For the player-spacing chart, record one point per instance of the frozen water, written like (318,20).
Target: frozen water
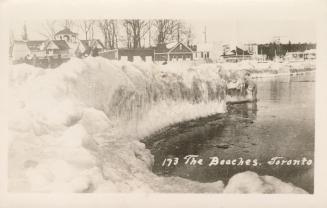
(77,128)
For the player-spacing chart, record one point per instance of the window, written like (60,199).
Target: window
(180,47)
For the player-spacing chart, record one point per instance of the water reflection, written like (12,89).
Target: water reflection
(280,124)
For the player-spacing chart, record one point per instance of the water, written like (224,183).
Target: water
(281,124)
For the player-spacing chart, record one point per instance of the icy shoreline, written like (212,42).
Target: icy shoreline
(77,128)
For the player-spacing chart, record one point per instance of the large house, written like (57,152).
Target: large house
(173,52)
(67,35)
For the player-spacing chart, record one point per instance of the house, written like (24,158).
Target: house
(57,49)
(36,48)
(236,54)
(202,52)
(67,35)
(173,52)
(136,54)
(210,51)
(300,55)
(89,47)
(19,51)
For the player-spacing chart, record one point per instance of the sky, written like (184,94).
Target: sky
(223,31)
(237,22)
(255,30)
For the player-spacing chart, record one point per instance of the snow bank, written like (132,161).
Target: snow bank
(250,182)
(77,128)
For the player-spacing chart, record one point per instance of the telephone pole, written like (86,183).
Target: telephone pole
(205,34)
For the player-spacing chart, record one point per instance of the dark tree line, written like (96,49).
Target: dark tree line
(274,49)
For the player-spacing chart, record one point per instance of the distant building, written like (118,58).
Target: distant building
(247,51)
(89,47)
(236,55)
(19,51)
(208,51)
(56,49)
(202,52)
(67,35)
(136,54)
(173,52)
(22,50)
(36,48)
(301,55)
(252,48)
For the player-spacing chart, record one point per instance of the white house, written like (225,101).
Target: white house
(19,51)
(212,51)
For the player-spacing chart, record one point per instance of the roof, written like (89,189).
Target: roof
(170,47)
(90,43)
(62,45)
(34,45)
(239,51)
(65,31)
(85,43)
(310,51)
(183,45)
(99,42)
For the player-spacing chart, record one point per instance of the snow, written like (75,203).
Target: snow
(250,182)
(77,128)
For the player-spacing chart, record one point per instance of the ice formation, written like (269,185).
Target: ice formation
(77,128)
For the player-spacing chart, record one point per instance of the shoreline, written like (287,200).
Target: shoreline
(269,75)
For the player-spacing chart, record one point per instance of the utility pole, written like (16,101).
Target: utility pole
(205,34)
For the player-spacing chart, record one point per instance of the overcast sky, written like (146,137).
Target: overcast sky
(224,31)
(226,22)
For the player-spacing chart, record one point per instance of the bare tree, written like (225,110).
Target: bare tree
(188,34)
(128,34)
(87,28)
(165,29)
(183,32)
(109,30)
(135,30)
(49,29)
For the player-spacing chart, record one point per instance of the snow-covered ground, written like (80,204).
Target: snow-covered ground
(77,128)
